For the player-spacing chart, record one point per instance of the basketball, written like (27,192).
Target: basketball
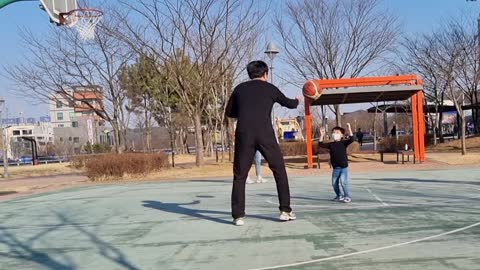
(311,91)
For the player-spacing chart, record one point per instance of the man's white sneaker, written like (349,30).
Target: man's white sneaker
(239,221)
(286,216)
(250,181)
(261,180)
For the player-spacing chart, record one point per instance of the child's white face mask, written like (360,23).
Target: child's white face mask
(336,137)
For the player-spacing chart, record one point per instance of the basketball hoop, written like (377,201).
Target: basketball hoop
(84,20)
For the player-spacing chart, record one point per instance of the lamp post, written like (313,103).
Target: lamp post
(272,52)
(4,141)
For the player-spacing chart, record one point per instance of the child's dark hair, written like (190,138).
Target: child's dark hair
(257,69)
(342,130)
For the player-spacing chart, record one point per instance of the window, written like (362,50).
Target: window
(61,139)
(40,138)
(59,116)
(69,139)
(60,125)
(27,132)
(50,139)
(76,139)
(59,104)
(41,143)
(16,132)
(72,115)
(74,124)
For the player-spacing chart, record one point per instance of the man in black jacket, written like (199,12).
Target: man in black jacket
(251,104)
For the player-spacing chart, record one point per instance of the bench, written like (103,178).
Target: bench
(399,152)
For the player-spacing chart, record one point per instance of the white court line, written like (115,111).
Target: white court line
(371,250)
(376,197)
(346,206)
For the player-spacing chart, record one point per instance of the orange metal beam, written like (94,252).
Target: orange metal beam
(367,81)
(308,131)
(418,120)
(415,124)
(421,126)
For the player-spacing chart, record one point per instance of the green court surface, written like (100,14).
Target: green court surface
(397,220)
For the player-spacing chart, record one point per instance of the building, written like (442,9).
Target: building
(67,107)
(74,118)
(17,146)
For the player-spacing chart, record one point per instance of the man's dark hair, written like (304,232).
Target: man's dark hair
(342,130)
(256,69)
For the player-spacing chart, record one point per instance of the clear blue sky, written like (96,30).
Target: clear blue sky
(416,16)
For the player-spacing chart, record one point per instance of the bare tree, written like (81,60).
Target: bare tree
(448,54)
(63,61)
(336,39)
(198,41)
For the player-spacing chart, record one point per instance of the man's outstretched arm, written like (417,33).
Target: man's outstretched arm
(281,99)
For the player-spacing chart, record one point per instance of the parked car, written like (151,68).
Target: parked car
(25,160)
(168,151)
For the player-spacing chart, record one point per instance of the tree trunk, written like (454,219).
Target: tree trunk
(199,161)
(375,129)
(435,125)
(148,131)
(440,119)
(462,123)
(338,115)
(116,138)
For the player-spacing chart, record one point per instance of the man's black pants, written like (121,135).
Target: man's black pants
(246,143)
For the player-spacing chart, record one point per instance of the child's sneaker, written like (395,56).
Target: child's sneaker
(239,221)
(286,216)
(338,199)
(347,200)
(261,180)
(250,181)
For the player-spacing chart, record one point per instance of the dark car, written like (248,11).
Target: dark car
(25,160)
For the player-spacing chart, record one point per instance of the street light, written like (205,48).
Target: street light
(4,141)
(271,52)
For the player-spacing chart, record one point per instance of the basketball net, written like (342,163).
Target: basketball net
(84,21)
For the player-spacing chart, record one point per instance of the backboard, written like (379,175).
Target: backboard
(56,7)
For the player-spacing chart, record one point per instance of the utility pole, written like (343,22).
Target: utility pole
(4,141)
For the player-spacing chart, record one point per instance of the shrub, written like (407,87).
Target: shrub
(104,167)
(79,162)
(293,148)
(391,144)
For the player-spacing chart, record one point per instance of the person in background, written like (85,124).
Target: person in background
(359,136)
(258,170)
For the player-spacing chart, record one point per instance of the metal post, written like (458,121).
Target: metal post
(272,52)
(4,140)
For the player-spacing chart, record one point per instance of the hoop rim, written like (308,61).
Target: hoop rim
(64,15)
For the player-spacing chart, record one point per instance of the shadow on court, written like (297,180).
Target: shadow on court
(26,249)
(179,208)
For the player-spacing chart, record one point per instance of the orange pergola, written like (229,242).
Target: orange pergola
(370,89)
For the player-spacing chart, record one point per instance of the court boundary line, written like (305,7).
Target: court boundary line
(371,250)
(376,197)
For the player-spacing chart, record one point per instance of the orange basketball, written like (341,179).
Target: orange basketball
(311,91)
